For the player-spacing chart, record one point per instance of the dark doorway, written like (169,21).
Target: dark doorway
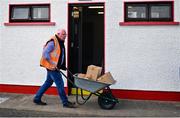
(85,37)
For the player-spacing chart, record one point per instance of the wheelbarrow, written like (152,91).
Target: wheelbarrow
(106,100)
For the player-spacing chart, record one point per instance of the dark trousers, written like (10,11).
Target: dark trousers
(53,76)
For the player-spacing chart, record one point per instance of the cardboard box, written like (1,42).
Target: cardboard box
(107,78)
(93,72)
(81,75)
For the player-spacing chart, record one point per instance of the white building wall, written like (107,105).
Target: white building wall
(139,57)
(177,10)
(142,57)
(21,46)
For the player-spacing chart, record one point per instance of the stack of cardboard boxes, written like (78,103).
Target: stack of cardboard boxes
(94,73)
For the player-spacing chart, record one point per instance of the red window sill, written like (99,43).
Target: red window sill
(31,24)
(147,23)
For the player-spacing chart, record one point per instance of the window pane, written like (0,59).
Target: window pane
(160,12)
(41,13)
(20,13)
(136,12)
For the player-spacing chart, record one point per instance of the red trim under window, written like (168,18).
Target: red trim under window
(31,24)
(147,23)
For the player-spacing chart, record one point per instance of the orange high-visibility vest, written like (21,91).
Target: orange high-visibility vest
(54,56)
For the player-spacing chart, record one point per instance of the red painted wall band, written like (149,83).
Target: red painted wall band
(147,95)
(27,89)
(118,93)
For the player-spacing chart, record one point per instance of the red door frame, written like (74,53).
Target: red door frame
(80,3)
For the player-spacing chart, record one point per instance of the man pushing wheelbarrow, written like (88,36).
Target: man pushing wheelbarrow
(94,82)
(53,59)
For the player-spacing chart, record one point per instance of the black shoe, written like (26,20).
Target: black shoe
(39,102)
(69,105)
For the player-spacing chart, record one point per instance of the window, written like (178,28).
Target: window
(151,11)
(40,13)
(160,12)
(30,13)
(136,12)
(20,13)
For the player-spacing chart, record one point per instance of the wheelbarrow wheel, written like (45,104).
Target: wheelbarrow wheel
(106,101)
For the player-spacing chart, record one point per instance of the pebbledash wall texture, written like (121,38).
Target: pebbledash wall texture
(142,58)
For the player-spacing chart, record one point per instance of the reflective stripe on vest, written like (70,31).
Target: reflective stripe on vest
(54,56)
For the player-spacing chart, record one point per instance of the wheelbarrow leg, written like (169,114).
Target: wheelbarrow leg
(84,100)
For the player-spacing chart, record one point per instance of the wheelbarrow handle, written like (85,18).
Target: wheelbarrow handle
(69,71)
(68,77)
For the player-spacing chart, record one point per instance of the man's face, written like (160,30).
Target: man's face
(62,35)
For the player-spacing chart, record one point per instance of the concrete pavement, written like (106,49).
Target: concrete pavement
(22,105)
